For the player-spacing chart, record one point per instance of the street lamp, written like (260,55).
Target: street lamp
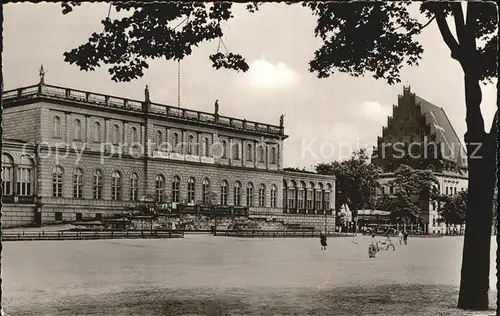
(213,203)
(149,202)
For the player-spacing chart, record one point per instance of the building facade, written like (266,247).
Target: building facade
(90,155)
(420,135)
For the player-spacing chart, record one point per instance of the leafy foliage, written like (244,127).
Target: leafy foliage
(452,208)
(166,30)
(377,37)
(356,181)
(413,190)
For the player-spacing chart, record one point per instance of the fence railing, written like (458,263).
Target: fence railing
(279,233)
(89,234)
(86,235)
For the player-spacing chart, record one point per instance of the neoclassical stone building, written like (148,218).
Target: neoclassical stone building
(73,155)
(419,134)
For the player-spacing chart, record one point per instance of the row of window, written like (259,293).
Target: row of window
(160,185)
(96,131)
(225,148)
(191,143)
(306,198)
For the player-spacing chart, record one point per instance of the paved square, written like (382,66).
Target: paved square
(206,275)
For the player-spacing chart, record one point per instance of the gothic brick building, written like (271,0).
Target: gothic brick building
(74,155)
(420,135)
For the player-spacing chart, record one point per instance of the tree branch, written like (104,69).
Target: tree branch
(458,17)
(446,34)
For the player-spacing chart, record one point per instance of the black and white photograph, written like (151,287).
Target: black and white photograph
(249,158)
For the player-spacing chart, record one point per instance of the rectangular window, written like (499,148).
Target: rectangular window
(79,217)
(249,196)
(291,198)
(134,191)
(98,216)
(326,200)
(58,216)
(206,194)
(24,181)
(176,192)
(319,199)
(301,199)
(97,189)
(190,192)
(273,198)
(223,195)
(262,197)
(77,186)
(309,199)
(236,196)
(57,185)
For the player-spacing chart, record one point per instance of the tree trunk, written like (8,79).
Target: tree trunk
(474,282)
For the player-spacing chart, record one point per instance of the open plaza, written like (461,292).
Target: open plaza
(207,275)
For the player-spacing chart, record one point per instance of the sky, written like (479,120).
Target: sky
(326,119)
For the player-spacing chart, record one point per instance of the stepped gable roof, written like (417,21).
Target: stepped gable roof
(451,147)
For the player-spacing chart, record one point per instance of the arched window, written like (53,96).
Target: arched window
(78,184)
(191,190)
(291,195)
(7,174)
(116,184)
(116,134)
(262,195)
(97,132)
(223,192)
(176,189)
(249,152)
(191,145)
(224,148)
(97,185)
(274,197)
(261,154)
(57,181)
(57,127)
(133,135)
(273,155)
(175,143)
(310,195)
(237,193)
(134,187)
(250,194)
(78,130)
(160,187)
(206,191)
(205,147)
(159,140)
(25,176)
(301,196)
(236,151)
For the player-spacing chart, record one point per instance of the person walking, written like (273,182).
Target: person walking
(400,237)
(389,243)
(373,247)
(322,240)
(405,237)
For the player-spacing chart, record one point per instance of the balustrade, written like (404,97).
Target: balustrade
(117,102)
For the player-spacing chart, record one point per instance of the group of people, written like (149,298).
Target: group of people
(373,248)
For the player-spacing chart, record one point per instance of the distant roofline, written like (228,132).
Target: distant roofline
(446,116)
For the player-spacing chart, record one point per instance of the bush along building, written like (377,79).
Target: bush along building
(420,135)
(71,155)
